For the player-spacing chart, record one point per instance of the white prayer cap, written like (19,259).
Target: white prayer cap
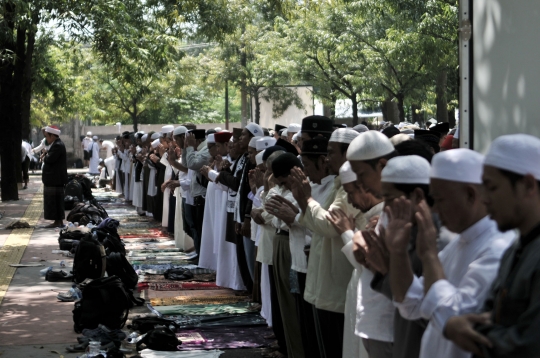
(400,138)
(255,129)
(88,133)
(155,143)
(253,142)
(218,129)
(211,139)
(407,169)
(432,120)
(232,139)
(144,137)
(294,128)
(461,165)
(369,145)
(258,158)
(343,135)
(346,174)
(265,142)
(156,135)
(53,130)
(167,129)
(95,137)
(517,153)
(180,130)
(295,137)
(284,133)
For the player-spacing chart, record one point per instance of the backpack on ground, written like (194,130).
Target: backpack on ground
(90,260)
(160,339)
(146,324)
(67,237)
(118,265)
(110,240)
(73,188)
(104,301)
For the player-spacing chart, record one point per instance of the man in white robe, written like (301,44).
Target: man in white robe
(94,158)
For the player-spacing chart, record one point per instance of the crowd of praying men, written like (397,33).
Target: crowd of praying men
(357,243)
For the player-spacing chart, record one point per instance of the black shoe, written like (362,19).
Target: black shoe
(55,276)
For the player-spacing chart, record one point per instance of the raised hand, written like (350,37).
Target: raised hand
(377,256)
(190,141)
(398,231)
(301,189)
(460,330)
(256,215)
(340,220)
(426,239)
(360,248)
(281,210)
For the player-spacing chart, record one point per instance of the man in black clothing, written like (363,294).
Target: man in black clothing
(54,177)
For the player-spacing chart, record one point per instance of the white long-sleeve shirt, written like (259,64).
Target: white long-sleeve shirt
(470,265)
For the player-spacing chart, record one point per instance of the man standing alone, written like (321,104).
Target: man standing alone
(54,177)
(86,143)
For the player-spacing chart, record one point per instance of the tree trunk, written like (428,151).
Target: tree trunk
(135,116)
(452,117)
(17,88)
(27,86)
(227,105)
(390,111)
(354,109)
(401,107)
(257,100)
(416,117)
(442,105)
(244,105)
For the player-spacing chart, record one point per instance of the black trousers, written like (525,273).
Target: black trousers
(172,212)
(331,328)
(277,322)
(242,263)
(307,320)
(198,216)
(25,165)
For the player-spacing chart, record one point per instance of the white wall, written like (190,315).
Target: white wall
(506,89)
(292,114)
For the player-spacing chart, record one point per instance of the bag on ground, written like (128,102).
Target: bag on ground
(90,260)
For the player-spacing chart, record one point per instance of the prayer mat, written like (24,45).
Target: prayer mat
(224,337)
(197,277)
(175,286)
(202,310)
(160,269)
(145,251)
(187,300)
(221,292)
(228,320)
(148,353)
(158,258)
(159,262)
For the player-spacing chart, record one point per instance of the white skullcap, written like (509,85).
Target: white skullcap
(95,137)
(88,133)
(210,139)
(294,128)
(284,133)
(144,137)
(346,174)
(258,158)
(369,145)
(232,139)
(407,169)
(52,130)
(224,130)
(400,138)
(167,129)
(255,129)
(180,130)
(461,165)
(155,143)
(156,135)
(218,129)
(343,135)
(517,153)
(253,142)
(295,137)
(265,142)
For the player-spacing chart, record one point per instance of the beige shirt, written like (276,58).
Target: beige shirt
(328,271)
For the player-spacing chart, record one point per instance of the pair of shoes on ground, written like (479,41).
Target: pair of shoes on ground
(81,347)
(56,276)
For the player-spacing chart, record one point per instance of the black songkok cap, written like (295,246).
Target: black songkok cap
(282,165)
(279,127)
(270,150)
(390,131)
(237,132)
(317,125)
(126,134)
(288,146)
(443,128)
(339,125)
(198,133)
(315,146)
(422,133)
